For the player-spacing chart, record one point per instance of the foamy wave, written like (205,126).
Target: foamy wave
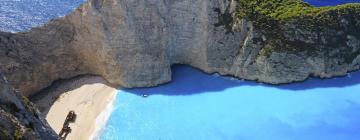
(102,119)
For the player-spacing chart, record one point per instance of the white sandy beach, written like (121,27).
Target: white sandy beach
(91,100)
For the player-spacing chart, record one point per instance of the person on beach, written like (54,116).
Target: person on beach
(70,118)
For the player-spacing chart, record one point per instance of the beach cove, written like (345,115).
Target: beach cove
(89,97)
(194,105)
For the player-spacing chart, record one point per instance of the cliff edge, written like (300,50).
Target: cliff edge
(133,43)
(19,119)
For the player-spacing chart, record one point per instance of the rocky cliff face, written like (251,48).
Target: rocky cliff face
(18,117)
(133,43)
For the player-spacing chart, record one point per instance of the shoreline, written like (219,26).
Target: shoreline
(102,119)
(90,97)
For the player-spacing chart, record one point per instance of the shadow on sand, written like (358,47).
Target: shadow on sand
(45,98)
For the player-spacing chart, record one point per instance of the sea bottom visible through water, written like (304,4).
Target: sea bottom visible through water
(197,106)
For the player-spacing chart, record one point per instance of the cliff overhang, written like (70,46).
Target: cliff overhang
(133,43)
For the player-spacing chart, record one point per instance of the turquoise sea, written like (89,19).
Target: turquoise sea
(198,106)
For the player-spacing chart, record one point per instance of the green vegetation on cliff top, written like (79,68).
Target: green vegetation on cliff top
(266,12)
(270,17)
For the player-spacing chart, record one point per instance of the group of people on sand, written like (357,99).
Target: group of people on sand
(70,118)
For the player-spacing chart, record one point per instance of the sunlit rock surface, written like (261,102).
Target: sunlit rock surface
(133,43)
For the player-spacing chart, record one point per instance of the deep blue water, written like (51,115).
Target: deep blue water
(21,15)
(197,106)
(330,2)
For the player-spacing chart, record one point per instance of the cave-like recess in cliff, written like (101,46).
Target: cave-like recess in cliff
(101,38)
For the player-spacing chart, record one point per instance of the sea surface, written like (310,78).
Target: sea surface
(21,15)
(330,2)
(198,106)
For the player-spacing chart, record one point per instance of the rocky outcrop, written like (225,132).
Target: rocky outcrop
(18,117)
(133,43)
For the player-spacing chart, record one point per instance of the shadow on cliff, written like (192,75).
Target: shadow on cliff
(45,98)
(188,81)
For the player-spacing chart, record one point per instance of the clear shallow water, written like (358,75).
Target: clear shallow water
(202,107)
(196,106)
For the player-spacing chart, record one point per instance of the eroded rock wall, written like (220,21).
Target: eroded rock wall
(32,60)
(19,119)
(133,43)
